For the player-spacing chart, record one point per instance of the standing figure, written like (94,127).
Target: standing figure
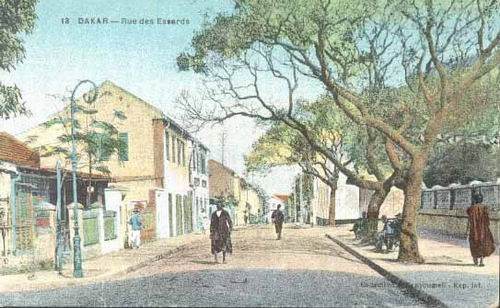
(220,233)
(204,223)
(277,218)
(480,237)
(136,222)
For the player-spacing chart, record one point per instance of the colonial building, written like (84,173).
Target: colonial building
(200,184)
(310,200)
(28,199)
(242,200)
(154,166)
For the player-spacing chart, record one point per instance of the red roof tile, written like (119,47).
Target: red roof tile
(14,151)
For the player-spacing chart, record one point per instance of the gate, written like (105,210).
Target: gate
(149,222)
(162,214)
(25,222)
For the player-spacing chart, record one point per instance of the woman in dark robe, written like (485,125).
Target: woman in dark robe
(220,233)
(480,237)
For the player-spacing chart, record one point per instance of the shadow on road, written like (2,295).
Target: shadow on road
(226,288)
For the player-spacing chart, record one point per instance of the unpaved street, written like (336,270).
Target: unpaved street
(303,269)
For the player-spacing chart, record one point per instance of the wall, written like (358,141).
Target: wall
(347,204)
(320,203)
(114,203)
(393,203)
(221,179)
(255,203)
(176,173)
(135,190)
(453,222)
(443,209)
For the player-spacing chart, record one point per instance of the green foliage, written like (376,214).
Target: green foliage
(329,127)
(462,163)
(96,140)
(17,18)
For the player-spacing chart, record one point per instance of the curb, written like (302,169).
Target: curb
(404,285)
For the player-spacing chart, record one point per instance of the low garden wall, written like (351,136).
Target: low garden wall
(443,209)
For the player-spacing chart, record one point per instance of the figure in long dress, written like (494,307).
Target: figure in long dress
(480,237)
(220,233)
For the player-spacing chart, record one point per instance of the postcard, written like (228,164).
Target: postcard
(244,153)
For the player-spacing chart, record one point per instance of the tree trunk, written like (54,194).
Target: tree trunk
(408,249)
(374,205)
(331,212)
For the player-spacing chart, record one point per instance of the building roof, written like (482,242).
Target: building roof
(229,170)
(15,151)
(282,197)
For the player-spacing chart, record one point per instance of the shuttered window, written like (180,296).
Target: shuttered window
(167,145)
(123,151)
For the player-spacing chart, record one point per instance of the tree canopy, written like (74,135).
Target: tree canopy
(400,68)
(16,18)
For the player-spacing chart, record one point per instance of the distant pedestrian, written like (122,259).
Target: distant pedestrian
(204,222)
(220,233)
(478,227)
(136,222)
(277,218)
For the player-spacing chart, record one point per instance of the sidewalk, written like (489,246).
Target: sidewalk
(448,274)
(101,268)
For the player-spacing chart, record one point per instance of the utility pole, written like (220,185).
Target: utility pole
(223,145)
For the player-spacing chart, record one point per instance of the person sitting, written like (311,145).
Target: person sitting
(360,227)
(390,234)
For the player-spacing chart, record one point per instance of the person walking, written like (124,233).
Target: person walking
(136,222)
(220,233)
(277,218)
(478,228)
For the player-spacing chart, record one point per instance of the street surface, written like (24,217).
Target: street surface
(303,269)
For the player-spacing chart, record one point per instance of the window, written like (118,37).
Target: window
(167,146)
(123,150)
(183,147)
(178,152)
(181,154)
(203,164)
(198,162)
(103,153)
(195,161)
(173,149)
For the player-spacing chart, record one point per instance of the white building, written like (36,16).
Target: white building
(273,202)
(199,183)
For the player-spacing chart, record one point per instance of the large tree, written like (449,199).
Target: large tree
(16,18)
(402,68)
(352,149)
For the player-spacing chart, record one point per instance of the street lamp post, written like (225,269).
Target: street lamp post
(77,253)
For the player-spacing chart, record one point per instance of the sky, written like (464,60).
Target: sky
(138,57)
